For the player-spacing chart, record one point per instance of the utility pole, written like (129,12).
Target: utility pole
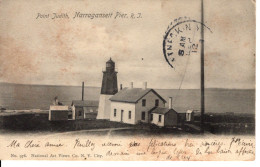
(202,71)
(82,91)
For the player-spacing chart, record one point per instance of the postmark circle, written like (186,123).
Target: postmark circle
(182,39)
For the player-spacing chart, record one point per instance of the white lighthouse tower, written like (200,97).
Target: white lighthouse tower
(108,89)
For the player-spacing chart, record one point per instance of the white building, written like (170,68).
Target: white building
(190,115)
(132,105)
(58,113)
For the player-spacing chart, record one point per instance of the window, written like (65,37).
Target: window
(143,115)
(108,65)
(156,103)
(80,113)
(151,117)
(122,115)
(160,118)
(143,102)
(70,114)
(129,115)
(114,112)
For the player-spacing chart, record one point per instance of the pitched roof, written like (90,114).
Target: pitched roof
(132,95)
(84,103)
(58,107)
(110,61)
(182,111)
(160,110)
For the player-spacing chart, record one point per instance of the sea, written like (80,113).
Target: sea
(26,97)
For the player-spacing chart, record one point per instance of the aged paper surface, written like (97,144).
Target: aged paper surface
(167,80)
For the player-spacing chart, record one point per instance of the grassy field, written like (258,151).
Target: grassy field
(39,123)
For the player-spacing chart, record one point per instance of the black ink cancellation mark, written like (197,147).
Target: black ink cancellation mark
(182,39)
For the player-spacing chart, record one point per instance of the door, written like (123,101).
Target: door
(143,116)
(122,115)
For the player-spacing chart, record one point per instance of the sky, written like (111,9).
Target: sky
(69,51)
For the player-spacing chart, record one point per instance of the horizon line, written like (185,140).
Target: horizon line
(125,87)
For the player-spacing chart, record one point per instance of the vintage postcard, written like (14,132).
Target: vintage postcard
(129,80)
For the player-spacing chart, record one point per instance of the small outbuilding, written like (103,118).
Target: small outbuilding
(58,113)
(190,115)
(164,117)
(83,109)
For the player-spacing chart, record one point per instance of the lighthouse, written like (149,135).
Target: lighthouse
(108,89)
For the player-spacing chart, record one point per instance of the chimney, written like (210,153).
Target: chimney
(131,85)
(144,85)
(55,101)
(121,86)
(170,102)
(82,91)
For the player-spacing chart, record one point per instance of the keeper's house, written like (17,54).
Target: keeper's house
(132,105)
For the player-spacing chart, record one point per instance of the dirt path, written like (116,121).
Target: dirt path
(106,132)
